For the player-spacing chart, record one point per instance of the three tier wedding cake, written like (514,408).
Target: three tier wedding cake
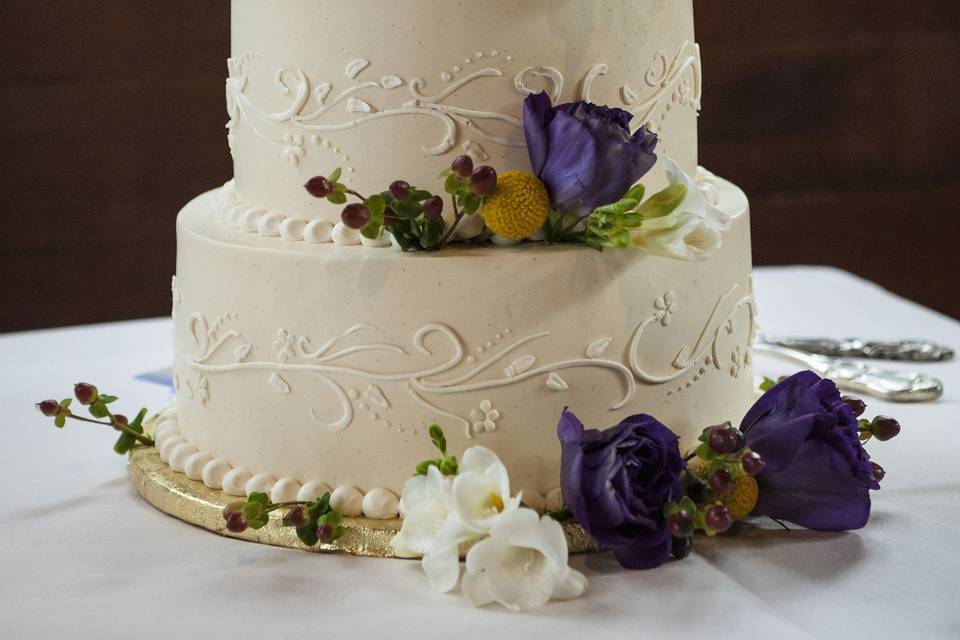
(321,330)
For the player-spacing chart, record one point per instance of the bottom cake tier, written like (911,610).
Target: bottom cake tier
(302,367)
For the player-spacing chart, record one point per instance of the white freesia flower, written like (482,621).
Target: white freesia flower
(425,505)
(522,564)
(441,513)
(692,231)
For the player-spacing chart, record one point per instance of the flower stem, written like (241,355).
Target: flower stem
(453,227)
(141,438)
(355,194)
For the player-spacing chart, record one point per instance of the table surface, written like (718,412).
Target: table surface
(84,556)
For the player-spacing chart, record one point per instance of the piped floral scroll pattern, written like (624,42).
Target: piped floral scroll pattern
(692,360)
(444,368)
(315,108)
(327,364)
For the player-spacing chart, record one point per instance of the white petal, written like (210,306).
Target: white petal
(414,492)
(478,459)
(442,568)
(422,525)
(475,589)
(570,586)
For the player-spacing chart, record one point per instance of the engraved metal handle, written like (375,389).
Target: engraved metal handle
(913,350)
(895,386)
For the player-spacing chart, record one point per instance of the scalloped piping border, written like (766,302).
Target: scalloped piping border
(217,473)
(236,214)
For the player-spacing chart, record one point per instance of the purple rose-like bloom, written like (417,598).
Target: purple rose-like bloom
(616,483)
(584,153)
(817,473)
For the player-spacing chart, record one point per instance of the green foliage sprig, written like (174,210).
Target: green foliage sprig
(131,432)
(610,225)
(446,463)
(315,520)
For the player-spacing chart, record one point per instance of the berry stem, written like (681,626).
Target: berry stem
(140,437)
(458,214)
(355,194)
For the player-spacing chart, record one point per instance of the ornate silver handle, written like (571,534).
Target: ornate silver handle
(914,350)
(895,386)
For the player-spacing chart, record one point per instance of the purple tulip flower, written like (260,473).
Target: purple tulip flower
(817,473)
(616,483)
(584,153)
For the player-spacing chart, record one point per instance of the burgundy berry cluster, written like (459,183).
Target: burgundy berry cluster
(89,396)
(315,521)
(712,471)
(412,216)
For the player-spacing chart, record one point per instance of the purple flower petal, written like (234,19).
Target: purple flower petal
(536,117)
(818,491)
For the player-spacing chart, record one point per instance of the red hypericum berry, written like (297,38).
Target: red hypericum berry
(725,439)
(236,523)
(121,420)
(433,207)
(462,166)
(720,480)
(234,507)
(878,472)
(49,408)
(400,189)
(318,187)
(297,516)
(483,181)
(753,464)
(857,406)
(884,428)
(718,518)
(85,392)
(680,525)
(325,533)
(355,216)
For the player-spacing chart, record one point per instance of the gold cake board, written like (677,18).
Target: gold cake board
(194,502)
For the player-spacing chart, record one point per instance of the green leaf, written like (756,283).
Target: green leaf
(259,497)
(107,399)
(407,208)
(137,424)
(124,443)
(437,438)
(687,504)
(336,197)
(469,202)
(59,421)
(372,230)
(421,469)
(767,384)
(593,242)
(98,410)
(376,205)
(670,508)
(308,534)
(338,532)
(333,177)
(430,233)
(705,452)
(453,183)
(663,202)
(636,192)
(420,195)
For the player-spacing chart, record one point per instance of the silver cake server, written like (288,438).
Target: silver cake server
(914,350)
(854,375)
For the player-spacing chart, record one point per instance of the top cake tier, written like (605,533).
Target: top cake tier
(389,90)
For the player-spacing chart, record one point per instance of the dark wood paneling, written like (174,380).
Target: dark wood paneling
(837,118)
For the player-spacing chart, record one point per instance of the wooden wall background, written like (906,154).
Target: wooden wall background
(839,119)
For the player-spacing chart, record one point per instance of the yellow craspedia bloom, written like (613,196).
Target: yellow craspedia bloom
(518,206)
(740,498)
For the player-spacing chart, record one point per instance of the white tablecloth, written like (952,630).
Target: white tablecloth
(83,556)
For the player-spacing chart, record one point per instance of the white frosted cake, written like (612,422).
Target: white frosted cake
(309,356)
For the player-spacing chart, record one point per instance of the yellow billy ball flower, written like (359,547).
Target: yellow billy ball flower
(518,206)
(740,498)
